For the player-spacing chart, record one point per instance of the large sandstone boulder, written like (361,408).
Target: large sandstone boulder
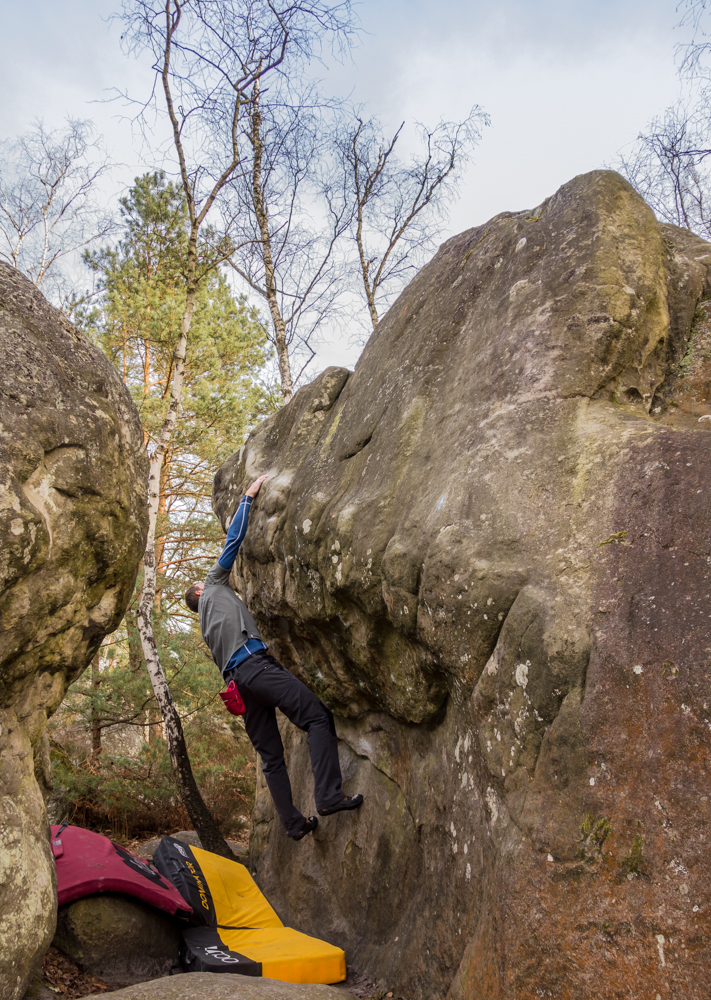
(489,551)
(72,496)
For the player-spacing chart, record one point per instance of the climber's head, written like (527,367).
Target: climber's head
(192,595)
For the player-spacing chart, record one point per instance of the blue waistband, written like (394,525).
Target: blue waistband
(250,646)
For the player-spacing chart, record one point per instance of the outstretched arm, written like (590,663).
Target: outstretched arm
(238,527)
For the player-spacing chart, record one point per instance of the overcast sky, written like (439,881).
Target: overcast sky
(567,84)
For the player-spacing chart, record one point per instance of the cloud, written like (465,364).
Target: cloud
(567,82)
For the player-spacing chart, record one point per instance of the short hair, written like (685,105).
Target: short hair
(192,597)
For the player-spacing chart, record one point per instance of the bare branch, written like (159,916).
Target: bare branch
(288,232)
(668,165)
(392,205)
(48,199)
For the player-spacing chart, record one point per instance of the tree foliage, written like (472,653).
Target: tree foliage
(137,323)
(129,787)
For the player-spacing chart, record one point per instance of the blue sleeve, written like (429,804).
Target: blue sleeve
(236,533)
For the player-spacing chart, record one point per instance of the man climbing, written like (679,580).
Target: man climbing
(265,685)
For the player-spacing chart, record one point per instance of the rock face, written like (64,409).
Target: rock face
(72,496)
(118,938)
(489,551)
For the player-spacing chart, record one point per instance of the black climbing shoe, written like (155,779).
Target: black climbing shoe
(347,802)
(310,824)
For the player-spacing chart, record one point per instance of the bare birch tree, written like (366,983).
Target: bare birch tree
(209,54)
(49,206)
(393,204)
(288,229)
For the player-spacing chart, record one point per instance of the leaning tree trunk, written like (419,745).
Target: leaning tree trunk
(203,823)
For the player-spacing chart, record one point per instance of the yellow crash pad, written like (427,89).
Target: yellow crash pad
(288,955)
(240,931)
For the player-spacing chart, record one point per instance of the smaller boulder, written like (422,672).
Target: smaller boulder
(212,986)
(118,938)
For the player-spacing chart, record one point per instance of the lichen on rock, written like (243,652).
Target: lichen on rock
(73,474)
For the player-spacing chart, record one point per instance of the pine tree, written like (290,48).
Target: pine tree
(136,321)
(137,325)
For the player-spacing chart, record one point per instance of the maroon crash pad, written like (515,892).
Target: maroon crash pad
(88,863)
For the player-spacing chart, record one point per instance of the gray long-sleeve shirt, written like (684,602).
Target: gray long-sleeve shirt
(225,621)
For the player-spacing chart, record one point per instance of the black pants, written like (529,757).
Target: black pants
(265,685)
